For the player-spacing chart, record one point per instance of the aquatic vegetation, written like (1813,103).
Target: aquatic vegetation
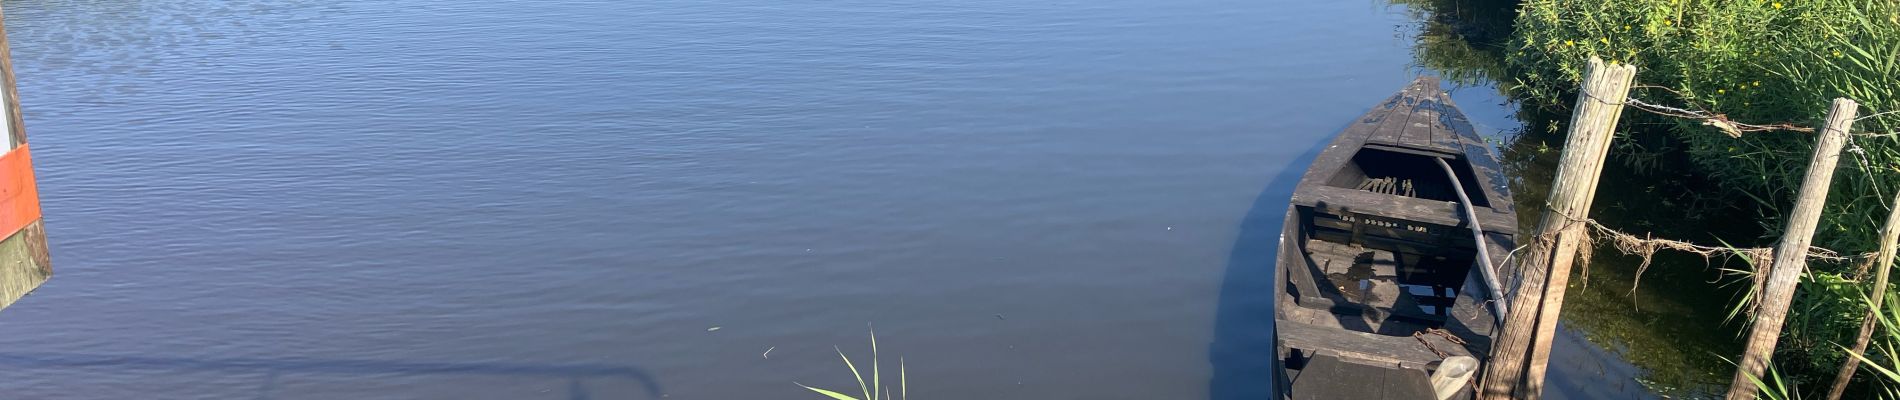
(876,385)
(1762,62)
(1884,357)
(1751,61)
(1774,386)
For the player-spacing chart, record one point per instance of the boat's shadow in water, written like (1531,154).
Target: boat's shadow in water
(1242,351)
(576,375)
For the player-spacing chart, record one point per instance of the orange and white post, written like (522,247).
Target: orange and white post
(24,262)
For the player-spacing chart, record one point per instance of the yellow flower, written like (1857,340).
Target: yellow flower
(1721,91)
(1626,28)
(1757,83)
(1574,43)
(1837,54)
(1777,5)
(1604,40)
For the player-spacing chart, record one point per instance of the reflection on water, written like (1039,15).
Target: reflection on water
(1462,40)
(576,377)
(1670,329)
(1243,345)
(1666,337)
(274,183)
(594,182)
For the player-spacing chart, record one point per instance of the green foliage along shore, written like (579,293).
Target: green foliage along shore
(1760,62)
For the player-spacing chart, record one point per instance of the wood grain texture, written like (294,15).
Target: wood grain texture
(24,263)
(10,93)
(1605,112)
(1398,112)
(1372,347)
(1515,370)
(1420,120)
(1791,255)
(1370,381)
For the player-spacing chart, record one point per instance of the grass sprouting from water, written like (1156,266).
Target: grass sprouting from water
(876,385)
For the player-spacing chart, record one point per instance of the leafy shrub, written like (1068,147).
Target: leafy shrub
(1755,61)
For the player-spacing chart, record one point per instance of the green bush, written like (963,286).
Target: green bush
(1759,62)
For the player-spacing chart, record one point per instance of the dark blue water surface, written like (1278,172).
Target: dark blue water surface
(350,199)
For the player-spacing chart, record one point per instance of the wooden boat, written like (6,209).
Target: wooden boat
(1382,277)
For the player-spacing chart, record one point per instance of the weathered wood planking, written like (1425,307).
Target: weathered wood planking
(1420,120)
(1451,134)
(1392,116)
(1338,200)
(24,263)
(1368,381)
(1515,370)
(1398,350)
(15,126)
(1444,134)
(1425,109)
(1422,130)
(1791,255)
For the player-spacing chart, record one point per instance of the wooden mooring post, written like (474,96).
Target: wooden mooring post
(24,262)
(1791,255)
(1518,359)
(1883,262)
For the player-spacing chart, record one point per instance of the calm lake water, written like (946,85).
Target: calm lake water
(639,199)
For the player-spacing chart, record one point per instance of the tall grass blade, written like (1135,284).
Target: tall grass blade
(876,380)
(1774,388)
(854,372)
(828,393)
(875,387)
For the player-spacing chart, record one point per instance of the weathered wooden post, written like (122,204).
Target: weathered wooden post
(23,258)
(1523,348)
(1791,255)
(1883,261)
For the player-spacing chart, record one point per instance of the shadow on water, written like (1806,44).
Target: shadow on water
(1243,348)
(576,374)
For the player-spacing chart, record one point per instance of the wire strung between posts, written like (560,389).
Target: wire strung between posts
(1721,121)
(1647,246)
(1878,114)
(1736,129)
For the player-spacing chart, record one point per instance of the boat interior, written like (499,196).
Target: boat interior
(1378,258)
(1378,273)
(1373,271)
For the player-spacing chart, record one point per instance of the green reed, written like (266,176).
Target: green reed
(872,390)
